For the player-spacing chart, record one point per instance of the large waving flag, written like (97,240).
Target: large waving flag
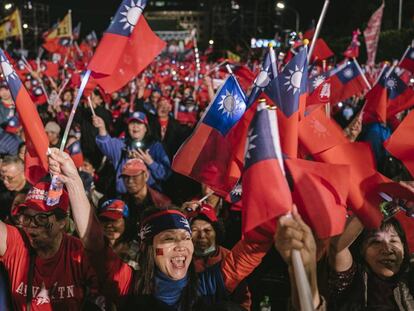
(214,153)
(126,48)
(11,26)
(407,61)
(37,143)
(266,193)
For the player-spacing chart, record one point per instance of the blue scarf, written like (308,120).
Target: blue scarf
(167,290)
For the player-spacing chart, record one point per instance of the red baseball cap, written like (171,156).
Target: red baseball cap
(37,196)
(113,209)
(133,167)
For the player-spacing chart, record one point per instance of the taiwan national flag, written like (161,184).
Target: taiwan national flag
(37,143)
(346,81)
(266,193)
(268,72)
(407,61)
(400,95)
(126,48)
(388,97)
(214,153)
(289,92)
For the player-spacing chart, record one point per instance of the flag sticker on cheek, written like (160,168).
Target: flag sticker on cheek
(159,252)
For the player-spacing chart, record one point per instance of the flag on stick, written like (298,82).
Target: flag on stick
(37,143)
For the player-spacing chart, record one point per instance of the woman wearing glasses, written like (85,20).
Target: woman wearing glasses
(46,267)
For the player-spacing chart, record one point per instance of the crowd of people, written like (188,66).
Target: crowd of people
(129,233)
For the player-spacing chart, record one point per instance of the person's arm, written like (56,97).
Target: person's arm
(115,277)
(160,167)
(109,146)
(340,257)
(292,233)
(241,261)
(87,225)
(3,238)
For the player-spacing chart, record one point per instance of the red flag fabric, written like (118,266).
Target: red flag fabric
(37,143)
(407,61)
(266,193)
(222,127)
(318,133)
(371,34)
(375,109)
(321,51)
(320,191)
(127,47)
(401,143)
(50,69)
(363,175)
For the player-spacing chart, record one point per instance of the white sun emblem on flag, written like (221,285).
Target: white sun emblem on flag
(412,55)
(250,146)
(319,129)
(262,80)
(237,190)
(348,73)
(7,69)
(318,81)
(294,79)
(230,103)
(132,14)
(391,83)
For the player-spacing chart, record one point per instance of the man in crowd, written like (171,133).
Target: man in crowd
(47,268)
(52,130)
(139,195)
(14,182)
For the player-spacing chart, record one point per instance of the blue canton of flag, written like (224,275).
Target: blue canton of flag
(236,194)
(126,17)
(293,83)
(260,144)
(395,86)
(267,73)
(347,73)
(75,148)
(10,75)
(227,107)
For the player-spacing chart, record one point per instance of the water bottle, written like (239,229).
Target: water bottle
(265,304)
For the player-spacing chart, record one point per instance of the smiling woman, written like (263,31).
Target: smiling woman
(379,276)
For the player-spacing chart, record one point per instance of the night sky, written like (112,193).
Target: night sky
(343,15)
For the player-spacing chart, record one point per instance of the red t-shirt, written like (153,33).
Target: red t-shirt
(59,283)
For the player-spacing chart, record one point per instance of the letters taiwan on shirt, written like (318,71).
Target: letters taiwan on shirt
(59,283)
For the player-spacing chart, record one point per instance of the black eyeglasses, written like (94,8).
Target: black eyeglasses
(39,220)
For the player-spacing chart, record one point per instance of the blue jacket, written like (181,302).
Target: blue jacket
(375,134)
(114,149)
(4,290)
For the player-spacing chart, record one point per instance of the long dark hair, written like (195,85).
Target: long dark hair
(144,276)
(389,223)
